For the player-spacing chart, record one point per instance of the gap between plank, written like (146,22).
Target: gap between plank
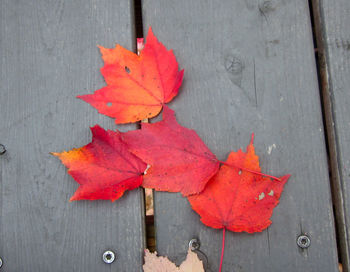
(148,194)
(330,134)
(138,18)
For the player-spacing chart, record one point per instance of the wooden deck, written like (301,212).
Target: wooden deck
(250,66)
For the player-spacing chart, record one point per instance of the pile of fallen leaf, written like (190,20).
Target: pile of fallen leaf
(165,156)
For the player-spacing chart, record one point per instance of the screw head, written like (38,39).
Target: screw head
(303,241)
(108,257)
(0,262)
(194,244)
(2,149)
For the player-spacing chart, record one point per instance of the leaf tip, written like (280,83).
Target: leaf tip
(180,78)
(102,49)
(96,127)
(285,178)
(150,38)
(81,97)
(252,138)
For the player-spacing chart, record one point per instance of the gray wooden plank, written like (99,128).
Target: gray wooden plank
(250,67)
(49,56)
(334,45)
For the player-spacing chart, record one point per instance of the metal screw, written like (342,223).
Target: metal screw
(108,257)
(194,244)
(303,241)
(2,149)
(0,262)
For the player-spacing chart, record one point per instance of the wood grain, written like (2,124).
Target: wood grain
(332,21)
(49,56)
(250,67)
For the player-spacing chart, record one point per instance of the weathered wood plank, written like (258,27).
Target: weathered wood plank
(250,67)
(48,56)
(332,20)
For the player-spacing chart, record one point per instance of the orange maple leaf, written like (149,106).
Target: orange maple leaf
(137,86)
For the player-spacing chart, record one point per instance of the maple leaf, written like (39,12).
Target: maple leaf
(179,160)
(236,199)
(104,168)
(137,86)
(162,264)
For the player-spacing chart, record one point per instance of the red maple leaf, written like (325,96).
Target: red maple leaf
(104,168)
(236,199)
(137,86)
(239,198)
(179,160)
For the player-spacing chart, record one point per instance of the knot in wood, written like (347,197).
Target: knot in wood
(2,149)
(266,6)
(234,65)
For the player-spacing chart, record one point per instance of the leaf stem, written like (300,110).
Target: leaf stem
(223,248)
(248,170)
